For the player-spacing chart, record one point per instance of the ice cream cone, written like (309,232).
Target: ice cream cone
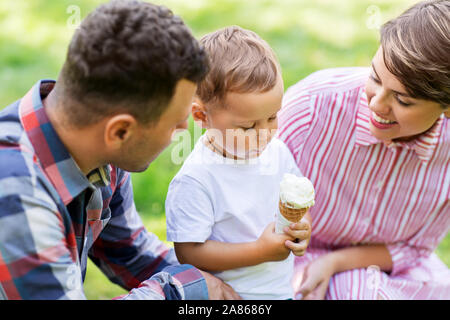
(296,197)
(291,214)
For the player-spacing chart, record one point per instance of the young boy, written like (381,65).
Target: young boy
(221,205)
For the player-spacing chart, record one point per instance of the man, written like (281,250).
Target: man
(65,151)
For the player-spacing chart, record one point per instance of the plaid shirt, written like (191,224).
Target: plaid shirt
(52,217)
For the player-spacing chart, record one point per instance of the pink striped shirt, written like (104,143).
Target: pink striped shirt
(368,192)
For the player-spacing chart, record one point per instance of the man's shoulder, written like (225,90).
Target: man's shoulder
(10,126)
(17,158)
(14,161)
(18,168)
(22,182)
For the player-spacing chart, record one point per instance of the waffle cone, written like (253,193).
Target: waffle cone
(291,214)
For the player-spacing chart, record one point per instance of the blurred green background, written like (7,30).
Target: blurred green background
(306,35)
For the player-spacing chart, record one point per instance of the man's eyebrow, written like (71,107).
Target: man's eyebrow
(397,92)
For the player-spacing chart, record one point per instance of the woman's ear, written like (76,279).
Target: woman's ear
(199,114)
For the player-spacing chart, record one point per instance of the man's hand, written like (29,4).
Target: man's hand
(301,231)
(272,245)
(217,289)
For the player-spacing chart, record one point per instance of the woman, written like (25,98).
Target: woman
(376,144)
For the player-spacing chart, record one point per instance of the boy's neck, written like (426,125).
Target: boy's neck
(221,152)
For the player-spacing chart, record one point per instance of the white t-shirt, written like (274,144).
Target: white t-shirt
(215,198)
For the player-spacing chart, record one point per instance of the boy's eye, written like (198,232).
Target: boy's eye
(272,118)
(248,128)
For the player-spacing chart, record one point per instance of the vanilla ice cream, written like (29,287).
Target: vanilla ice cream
(296,192)
(296,197)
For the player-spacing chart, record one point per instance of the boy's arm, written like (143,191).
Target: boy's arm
(219,256)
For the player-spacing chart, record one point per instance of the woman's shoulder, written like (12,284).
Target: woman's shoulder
(332,80)
(325,91)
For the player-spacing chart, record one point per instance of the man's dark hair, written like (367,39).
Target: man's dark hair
(127,56)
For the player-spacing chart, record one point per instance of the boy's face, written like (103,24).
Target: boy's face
(246,122)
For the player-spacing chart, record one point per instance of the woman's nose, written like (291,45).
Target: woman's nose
(379,103)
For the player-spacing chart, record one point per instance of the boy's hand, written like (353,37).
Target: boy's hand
(272,245)
(301,231)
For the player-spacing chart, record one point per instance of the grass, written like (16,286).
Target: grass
(306,36)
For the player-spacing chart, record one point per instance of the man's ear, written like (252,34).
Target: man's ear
(119,129)
(199,113)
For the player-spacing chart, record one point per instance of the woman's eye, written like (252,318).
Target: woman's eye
(272,118)
(403,103)
(374,78)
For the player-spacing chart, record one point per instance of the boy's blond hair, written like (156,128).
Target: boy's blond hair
(240,61)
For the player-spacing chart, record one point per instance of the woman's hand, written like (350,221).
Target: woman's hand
(317,274)
(301,231)
(316,278)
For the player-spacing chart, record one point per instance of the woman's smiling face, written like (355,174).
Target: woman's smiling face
(394,113)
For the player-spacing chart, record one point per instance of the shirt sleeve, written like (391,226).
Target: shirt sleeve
(137,260)
(37,248)
(407,254)
(189,211)
(294,118)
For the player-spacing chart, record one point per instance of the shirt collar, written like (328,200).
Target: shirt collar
(54,158)
(423,146)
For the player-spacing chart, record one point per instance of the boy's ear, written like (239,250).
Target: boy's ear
(199,114)
(447,112)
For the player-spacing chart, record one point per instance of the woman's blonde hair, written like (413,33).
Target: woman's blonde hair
(240,61)
(416,48)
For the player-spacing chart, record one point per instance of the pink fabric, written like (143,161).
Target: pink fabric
(368,191)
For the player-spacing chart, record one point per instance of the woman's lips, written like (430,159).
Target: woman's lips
(376,121)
